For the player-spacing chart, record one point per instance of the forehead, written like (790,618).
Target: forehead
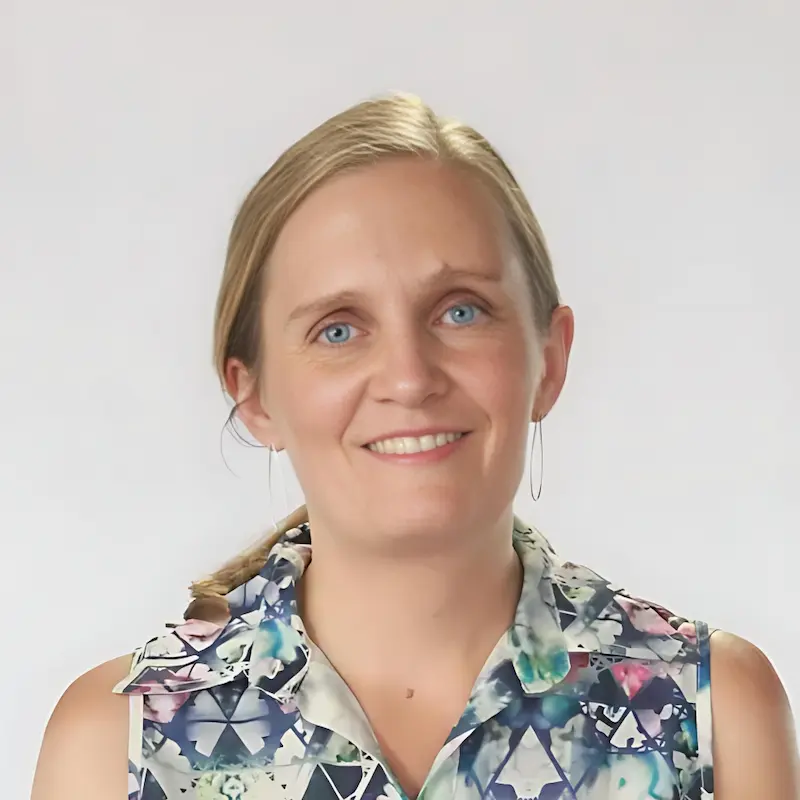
(396,217)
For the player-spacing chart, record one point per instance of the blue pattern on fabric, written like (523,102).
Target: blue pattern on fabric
(591,694)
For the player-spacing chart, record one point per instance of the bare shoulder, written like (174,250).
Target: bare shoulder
(755,749)
(84,752)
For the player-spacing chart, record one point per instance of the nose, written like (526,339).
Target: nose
(408,368)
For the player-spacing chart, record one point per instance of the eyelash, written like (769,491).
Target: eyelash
(315,336)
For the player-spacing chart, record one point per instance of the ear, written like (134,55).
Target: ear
(243,387)
(555,355)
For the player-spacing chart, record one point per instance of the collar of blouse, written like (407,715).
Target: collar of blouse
(565,613)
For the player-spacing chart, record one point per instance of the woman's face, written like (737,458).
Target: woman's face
(393,306)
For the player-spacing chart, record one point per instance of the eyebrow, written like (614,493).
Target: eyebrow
(350,296)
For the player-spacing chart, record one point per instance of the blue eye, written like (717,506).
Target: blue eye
(338,333)
(460,316)
(337,327)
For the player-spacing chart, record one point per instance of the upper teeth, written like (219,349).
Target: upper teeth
(413,444)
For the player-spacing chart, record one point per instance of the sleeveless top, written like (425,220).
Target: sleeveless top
(590,694)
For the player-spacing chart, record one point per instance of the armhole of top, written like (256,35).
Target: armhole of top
(135,731)
(703,712)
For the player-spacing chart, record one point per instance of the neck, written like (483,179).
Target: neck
(370,610)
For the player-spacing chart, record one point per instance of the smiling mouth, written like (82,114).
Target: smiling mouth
(409,445)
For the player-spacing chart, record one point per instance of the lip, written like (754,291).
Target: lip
(416,433)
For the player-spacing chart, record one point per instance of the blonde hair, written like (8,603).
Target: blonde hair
(398,124)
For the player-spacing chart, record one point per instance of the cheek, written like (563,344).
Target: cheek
(503,378)
(316,404)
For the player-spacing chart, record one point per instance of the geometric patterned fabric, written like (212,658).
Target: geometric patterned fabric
(591,694)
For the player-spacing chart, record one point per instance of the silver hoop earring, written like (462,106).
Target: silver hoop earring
(272,498)
(269,485)
(537,433)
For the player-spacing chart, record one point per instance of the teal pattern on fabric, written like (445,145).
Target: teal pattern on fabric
(592,694)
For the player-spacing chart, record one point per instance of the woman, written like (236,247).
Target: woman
(388,316)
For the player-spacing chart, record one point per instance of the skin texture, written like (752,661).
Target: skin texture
(84,754)
(385,235)
(427,545)
(755,748)
(407,363)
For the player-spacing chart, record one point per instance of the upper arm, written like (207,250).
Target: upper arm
(754,745)
(84,753)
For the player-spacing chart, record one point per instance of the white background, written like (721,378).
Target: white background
(658,143)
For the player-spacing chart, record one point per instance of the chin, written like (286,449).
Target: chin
(436,520)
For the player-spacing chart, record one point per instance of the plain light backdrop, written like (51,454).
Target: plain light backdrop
(658,144)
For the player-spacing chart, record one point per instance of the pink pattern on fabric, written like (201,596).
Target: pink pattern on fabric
(199,633)
(689,630)
(162,707)
(632,676)
(577,663)
(171,677)
(643,617)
